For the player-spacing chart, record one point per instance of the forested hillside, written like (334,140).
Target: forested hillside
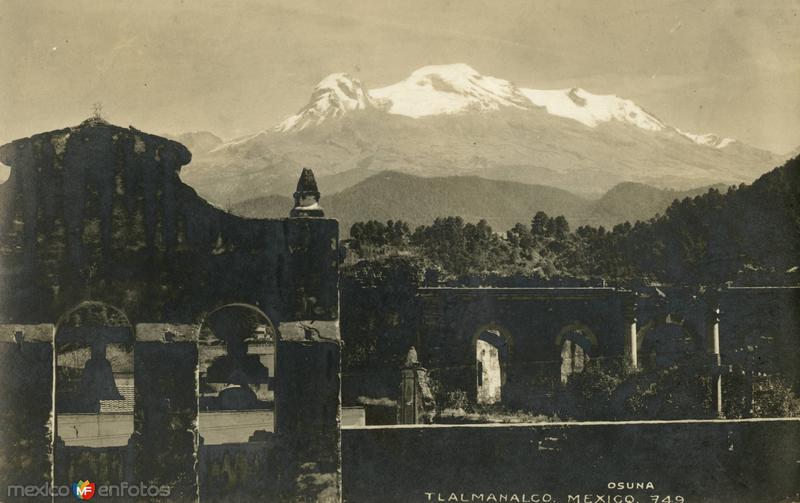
(747,233)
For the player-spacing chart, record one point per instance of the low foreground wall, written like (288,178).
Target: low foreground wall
(754,461)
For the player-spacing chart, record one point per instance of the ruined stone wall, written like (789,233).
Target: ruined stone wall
(26,404)
(760,329)
(98,213)
(529,320)
(757,331)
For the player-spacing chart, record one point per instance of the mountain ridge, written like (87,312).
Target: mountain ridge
(385,196)
(467,124)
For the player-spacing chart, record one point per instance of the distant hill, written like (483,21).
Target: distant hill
(397,196)
(630,201)
(748,235)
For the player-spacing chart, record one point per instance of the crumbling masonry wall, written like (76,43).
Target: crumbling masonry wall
(98,213)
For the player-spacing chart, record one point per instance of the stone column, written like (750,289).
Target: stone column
(165,409)
(307,356)
(307,411)
(26,409)
(409,401)
(716,357)
(631,342)
(416,400)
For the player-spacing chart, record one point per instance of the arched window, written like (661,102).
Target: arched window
(94,376)
(491,355)
(237,370)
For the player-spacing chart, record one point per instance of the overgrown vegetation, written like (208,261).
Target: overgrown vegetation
(748,235)
(609,390)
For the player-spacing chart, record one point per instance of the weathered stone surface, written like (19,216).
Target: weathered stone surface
(240,472)
(530,322)
(26,405)
(307,419)
(165,417)
(166,332)
(416,404)
(310,330)
(312,267)
(98,212)
(29,333)
(101,465)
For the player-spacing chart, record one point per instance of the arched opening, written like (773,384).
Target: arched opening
(5,173)
(673,362)
(666,342)
(575,342)
(237,345)
(94,345)
(491,360)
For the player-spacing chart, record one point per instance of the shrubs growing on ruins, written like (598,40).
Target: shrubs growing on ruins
(609,389)
(759,396)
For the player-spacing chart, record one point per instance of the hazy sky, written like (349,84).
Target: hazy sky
(235,67)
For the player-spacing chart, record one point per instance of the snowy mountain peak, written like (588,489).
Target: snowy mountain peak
(335,95)
(449,89)
(593,109)
(459,88)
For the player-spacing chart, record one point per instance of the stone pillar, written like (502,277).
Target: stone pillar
(165,408)
(408,407)
(716,357)
(26,409)
(416,399)
(416,402)
(631,342)
(307,411)
(307,356)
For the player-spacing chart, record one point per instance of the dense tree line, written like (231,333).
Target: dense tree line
(750,232)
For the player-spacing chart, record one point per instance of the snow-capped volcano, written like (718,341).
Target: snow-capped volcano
(449,89)
(335,95)
(593,109)
(450,120)
(459,88)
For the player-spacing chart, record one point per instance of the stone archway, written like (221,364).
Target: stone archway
(94,383)
(666,339)
(492,347)
(237,357)
(575,343)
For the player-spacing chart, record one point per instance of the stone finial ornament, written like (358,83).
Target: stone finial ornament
(306,197)
(411,358)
